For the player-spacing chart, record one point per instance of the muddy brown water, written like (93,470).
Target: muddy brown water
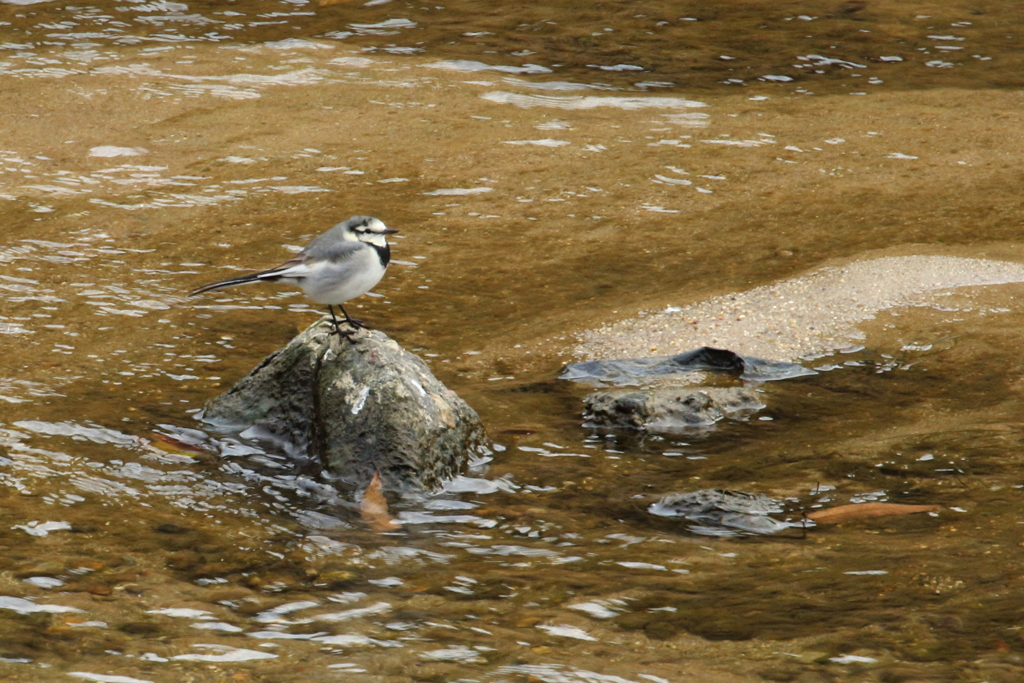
(556,171)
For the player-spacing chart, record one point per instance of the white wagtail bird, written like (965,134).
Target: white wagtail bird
(345,262)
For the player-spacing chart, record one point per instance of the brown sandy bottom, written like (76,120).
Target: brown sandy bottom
(534,207)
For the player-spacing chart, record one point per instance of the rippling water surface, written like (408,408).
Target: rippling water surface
(569,180)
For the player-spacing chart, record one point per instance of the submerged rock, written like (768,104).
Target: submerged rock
(636,371)
(665,403)
(668,409)
(357,406)
(715,512)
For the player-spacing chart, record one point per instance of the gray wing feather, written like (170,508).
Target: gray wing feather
(329,246)
(322,249)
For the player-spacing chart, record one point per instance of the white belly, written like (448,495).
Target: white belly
(336,283)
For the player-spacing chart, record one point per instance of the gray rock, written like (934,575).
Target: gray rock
(356,406)
(626,372)
(668,409)
(723,513)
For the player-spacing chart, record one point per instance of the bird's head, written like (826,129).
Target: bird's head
(367,229)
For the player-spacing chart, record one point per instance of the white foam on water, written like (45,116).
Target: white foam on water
(567,632)
(590,101)
(23,606)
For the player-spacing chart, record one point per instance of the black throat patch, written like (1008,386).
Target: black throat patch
(383,253)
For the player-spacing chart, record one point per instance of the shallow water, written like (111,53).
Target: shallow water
(559,173)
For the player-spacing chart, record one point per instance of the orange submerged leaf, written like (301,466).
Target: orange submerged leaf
(847,513)
(374,507)
(170,444)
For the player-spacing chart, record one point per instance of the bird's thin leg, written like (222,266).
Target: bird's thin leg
(337,325)
(354,322)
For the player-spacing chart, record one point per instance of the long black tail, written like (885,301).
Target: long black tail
(265,276)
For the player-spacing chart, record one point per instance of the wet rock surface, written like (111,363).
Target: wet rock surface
(664,403)
(635,371)
(357,406)
(668,409)
(714,512)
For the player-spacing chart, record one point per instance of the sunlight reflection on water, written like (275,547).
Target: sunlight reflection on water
(157,133)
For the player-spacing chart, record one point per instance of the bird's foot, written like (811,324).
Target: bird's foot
(347,328)
(346,332)
(354,323)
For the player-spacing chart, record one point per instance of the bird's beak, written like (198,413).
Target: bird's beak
(389,231)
